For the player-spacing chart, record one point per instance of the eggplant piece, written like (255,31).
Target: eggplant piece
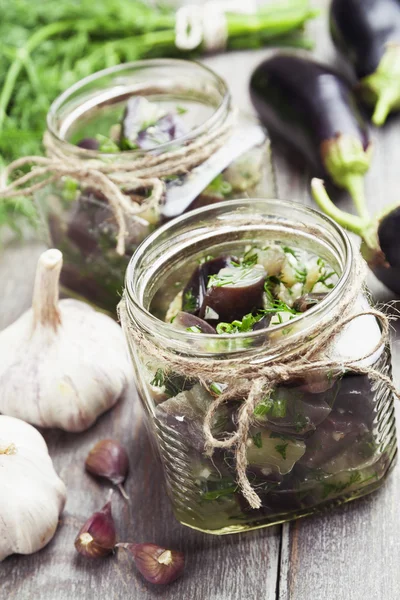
(196,288)
(312,109)
(88,144)
(146,125)
(335,435)
(380,239)
(368,34)
(269,454)
(235,292)
(292,412)
(188,322)
(307,301)
(168,128)
(185,413)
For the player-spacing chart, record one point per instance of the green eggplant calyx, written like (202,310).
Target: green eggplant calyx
(382,88)
(346,161)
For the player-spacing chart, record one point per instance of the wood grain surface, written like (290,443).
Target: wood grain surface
(351,553)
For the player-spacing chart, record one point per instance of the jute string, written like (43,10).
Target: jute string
(252,378)
(112,178)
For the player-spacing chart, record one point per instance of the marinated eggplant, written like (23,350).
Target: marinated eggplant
(81,222)
(312,440)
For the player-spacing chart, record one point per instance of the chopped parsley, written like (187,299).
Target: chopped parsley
(257,439)
(180,110)
(275,408)
(337,488)
(281,449)
(189,303)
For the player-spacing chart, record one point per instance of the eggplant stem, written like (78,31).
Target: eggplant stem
(346,220)
(123,492)
(386,101)
(355,185)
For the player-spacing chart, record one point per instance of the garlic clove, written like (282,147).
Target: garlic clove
(109,459)
(32,495)
(62,364)
(158,565)
(97,537)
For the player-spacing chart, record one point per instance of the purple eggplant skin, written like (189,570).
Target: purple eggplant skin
(196,288)
(367,32)
(312,109)
(185,321)
(383,255)
(88,144)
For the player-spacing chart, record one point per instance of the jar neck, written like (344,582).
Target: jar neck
(185,80)
(177,247)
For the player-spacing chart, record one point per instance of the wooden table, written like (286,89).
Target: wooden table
(351,553)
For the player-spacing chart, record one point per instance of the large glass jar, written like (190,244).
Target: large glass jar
(335,440)
(82,223)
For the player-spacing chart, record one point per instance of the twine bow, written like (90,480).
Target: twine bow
(113,178)
(251,378)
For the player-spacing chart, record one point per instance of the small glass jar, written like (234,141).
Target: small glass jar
(81,222)
(336,440)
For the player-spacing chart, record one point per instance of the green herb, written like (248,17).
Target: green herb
(215,494)
(205,259)
(324,277)
(193,329)
(189,303)
(300,422)
(233,275)
(249,259)
(219,186)
(173,384)
(257,439)
(275,408)
(107,145)
(181,110)
(246,324)
(218,489)
(301,274)
(288,250)
(70,189)
(216,388)
(47,46)
(337,488)
(281,449)
(158,380)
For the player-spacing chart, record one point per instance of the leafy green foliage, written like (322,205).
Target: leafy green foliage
(47,46)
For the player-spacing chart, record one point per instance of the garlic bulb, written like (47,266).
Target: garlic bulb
(32,495)
(62,363)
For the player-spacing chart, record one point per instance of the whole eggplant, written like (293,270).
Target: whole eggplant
(368,34)
(380,236)
(312,108)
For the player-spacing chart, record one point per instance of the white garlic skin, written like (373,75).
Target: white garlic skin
(62,363)
(32,495)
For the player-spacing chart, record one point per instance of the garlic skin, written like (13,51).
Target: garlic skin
(32,495)
(62,363)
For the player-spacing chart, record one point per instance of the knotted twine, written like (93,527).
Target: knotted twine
(255,377)
(112,178)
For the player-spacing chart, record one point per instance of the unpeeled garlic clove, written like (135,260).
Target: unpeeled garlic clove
(158,565)
(109,459)
(97,537)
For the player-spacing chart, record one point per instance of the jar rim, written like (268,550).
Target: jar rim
(162,330)
(218,115)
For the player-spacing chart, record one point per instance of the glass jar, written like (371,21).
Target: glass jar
(81,222)
(335,440)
